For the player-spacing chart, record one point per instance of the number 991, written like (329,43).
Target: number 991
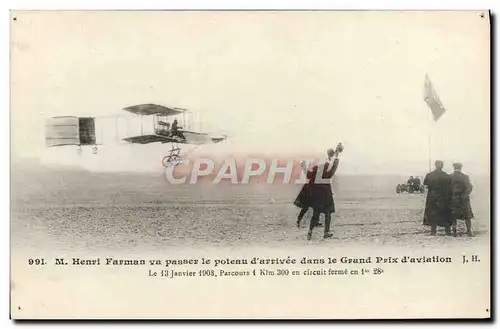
(36,261)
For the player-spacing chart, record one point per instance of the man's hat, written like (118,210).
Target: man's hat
(457,166)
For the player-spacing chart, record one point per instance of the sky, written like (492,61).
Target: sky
(276,82)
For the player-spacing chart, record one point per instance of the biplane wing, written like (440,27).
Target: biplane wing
(154,109)
(147,139)
(190,138)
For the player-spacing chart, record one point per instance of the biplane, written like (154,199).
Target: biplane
(169,131)
(169,125)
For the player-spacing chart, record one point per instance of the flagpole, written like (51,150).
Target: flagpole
(429,132)
(436,109)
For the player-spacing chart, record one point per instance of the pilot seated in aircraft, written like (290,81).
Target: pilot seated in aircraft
(176,130)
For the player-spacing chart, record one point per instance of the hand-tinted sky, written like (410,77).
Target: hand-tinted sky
(275,81)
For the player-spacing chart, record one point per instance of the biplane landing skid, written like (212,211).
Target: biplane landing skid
(173,158)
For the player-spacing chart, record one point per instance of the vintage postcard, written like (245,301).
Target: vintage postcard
(250,164)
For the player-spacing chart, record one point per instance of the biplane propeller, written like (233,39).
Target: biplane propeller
(169,126)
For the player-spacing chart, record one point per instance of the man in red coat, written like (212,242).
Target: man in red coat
(461,209)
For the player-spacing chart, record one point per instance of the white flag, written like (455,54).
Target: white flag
(432,100)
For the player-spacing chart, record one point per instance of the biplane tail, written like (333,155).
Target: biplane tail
(69,130)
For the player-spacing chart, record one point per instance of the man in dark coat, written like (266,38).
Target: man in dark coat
(461,188)
(321,192)
(317,193)
(303,200)
(437,206)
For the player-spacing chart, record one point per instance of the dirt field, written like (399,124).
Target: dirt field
(78,210)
